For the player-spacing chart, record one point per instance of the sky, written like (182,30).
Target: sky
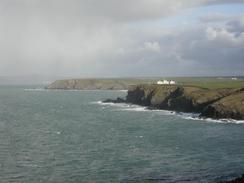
(114,38)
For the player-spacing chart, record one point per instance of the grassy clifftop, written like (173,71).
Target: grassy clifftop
(125,83)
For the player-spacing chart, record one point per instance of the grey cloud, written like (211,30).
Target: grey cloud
(191,50)
(222,1)
(109,9)
(99,38)
(236,26)
(214,17)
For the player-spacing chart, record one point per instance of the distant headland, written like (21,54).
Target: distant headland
(97,84)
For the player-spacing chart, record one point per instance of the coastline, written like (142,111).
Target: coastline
(239,179)
(215,104)
(184,115)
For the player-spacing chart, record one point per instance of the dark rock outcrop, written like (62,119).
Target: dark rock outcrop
(118,100)
(237,180)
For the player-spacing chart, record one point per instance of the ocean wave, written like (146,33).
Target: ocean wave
(124,106)
(215,120)
(123,91)
(188,116)
(135,108)
(47,131)
(35,89)
(196,117)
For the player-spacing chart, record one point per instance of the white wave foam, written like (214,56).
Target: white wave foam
(136,108)
(165,112)
(125,107)
(188,116)
(133,107)
(105,103)
(123,91)
(35,89)
(49,132)
(122,106)
(195,117)
(223,120)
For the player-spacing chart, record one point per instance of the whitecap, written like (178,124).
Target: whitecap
(188,116)
(35,89)
(122,106)
(123,91)
(133,107)
(223,120)
(196,117)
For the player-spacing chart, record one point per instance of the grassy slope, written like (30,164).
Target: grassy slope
(211,83)
(228,107)
(124,83)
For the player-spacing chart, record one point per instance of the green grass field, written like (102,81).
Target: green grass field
(124,83)
(211,83)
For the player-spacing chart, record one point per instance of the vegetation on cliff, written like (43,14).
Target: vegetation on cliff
(125,83)
(228,107)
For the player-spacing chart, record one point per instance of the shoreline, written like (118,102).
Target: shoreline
(184,115)
(216,104)
(239,179)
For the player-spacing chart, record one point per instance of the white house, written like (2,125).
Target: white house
(172,82)
(166,82)
(160,82)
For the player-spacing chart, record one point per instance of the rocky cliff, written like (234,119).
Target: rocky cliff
(217,103)
(228,107)
(237,180)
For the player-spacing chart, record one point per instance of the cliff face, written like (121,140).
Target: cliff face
(237,180)
(228,107)
(218,103)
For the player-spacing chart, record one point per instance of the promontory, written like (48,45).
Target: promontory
(210,103)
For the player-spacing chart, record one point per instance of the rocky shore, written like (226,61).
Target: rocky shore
(237,180)
(215,103)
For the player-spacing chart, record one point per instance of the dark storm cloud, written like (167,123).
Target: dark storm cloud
(213,17)
(100,38)
(236,26)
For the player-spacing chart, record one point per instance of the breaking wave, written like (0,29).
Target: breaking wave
(35,89)
(214,120)
(188,116)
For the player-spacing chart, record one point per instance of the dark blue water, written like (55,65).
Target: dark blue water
(66,136)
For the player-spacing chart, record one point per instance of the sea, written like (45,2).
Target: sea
(62,136)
